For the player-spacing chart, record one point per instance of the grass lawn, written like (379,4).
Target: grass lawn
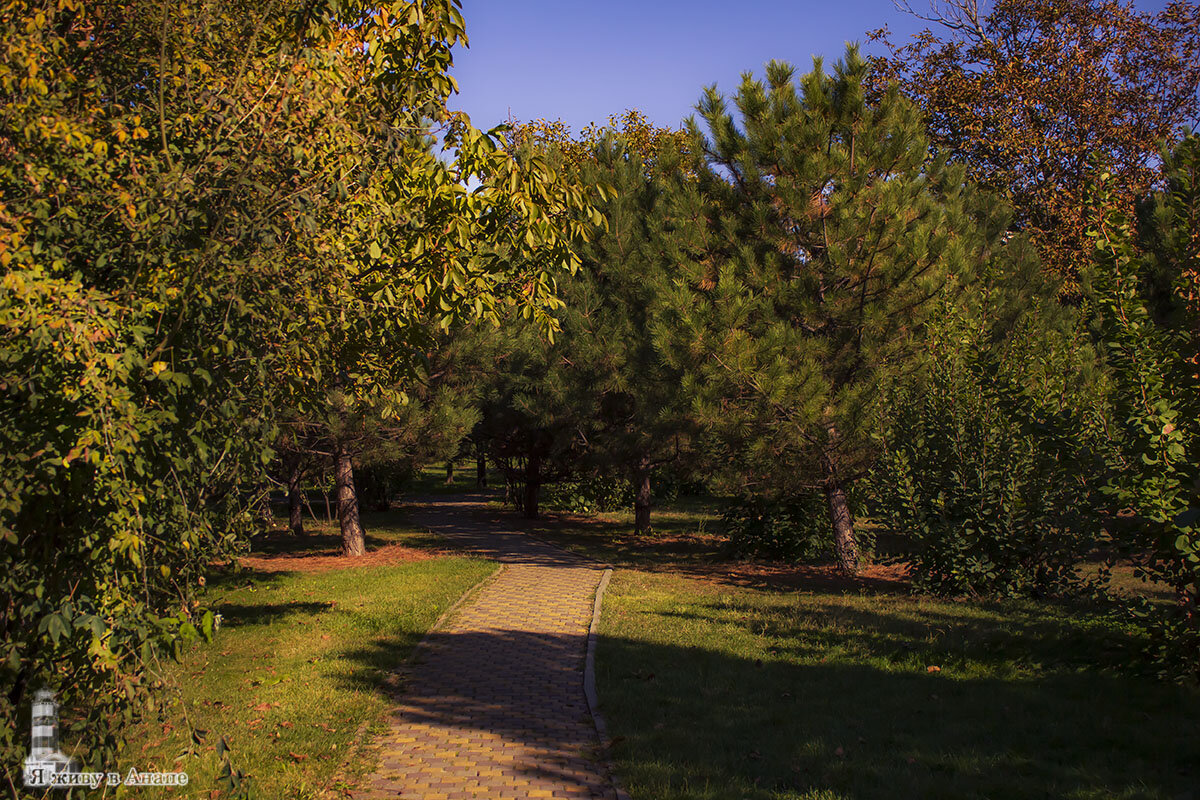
(297,672)
(735,680)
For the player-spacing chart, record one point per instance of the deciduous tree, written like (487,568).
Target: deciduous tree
(1036,97)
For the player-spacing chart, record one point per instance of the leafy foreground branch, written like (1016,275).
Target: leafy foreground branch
(214,216)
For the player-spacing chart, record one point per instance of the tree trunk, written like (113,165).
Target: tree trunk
(449,472)
(353,539)
(533,483)
(480,468)
(844,542)
(295,498)
(843,527)
(641,500)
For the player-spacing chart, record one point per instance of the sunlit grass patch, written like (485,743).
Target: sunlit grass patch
(298,674)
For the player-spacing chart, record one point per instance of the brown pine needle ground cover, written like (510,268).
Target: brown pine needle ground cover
(726,680)
(299,674)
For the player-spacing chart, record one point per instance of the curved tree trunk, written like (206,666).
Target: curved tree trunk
(642,497)
(839,511)
(353,538)
(843,527)
(295,499)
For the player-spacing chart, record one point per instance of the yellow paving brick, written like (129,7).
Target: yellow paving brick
(493,704)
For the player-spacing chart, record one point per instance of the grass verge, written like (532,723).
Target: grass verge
(714,691)
(300,667)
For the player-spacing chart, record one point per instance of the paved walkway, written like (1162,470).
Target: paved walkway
(493,706)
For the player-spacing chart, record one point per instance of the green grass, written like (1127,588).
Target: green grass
(720,692)
(718,687)
(686,532)
(432,480)
(299,668)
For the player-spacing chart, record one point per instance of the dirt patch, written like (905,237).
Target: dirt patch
(880,578)
(330,559)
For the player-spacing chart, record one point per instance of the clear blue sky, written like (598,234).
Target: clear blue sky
(581,60)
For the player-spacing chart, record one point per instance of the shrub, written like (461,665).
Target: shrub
(795,530)
(994,500)
(590,494)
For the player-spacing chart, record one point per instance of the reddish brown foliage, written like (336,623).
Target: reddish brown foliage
(1039,96)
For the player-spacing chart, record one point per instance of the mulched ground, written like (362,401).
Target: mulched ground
(283,552)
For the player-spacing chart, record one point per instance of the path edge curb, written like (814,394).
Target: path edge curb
(392,683)
(589,685)
(445,616)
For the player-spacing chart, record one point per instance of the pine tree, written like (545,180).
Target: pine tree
(533,412)
(600,399)
(818,234)
(638,423)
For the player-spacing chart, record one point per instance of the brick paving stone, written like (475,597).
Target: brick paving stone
(493,704)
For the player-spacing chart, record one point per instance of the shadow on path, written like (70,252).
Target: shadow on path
(493,704)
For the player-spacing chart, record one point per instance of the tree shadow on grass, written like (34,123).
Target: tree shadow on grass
(703,724)
(993,636)
(382,528)
(677,547)
(234,615)
(694,722)
(792,730)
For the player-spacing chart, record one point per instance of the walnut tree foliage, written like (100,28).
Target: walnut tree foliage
(211,213)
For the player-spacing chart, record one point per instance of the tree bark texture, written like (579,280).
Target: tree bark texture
(353,538)
(449,473)
(642,497)
(295,499)
(844,542)
(843,527)
(480,469)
